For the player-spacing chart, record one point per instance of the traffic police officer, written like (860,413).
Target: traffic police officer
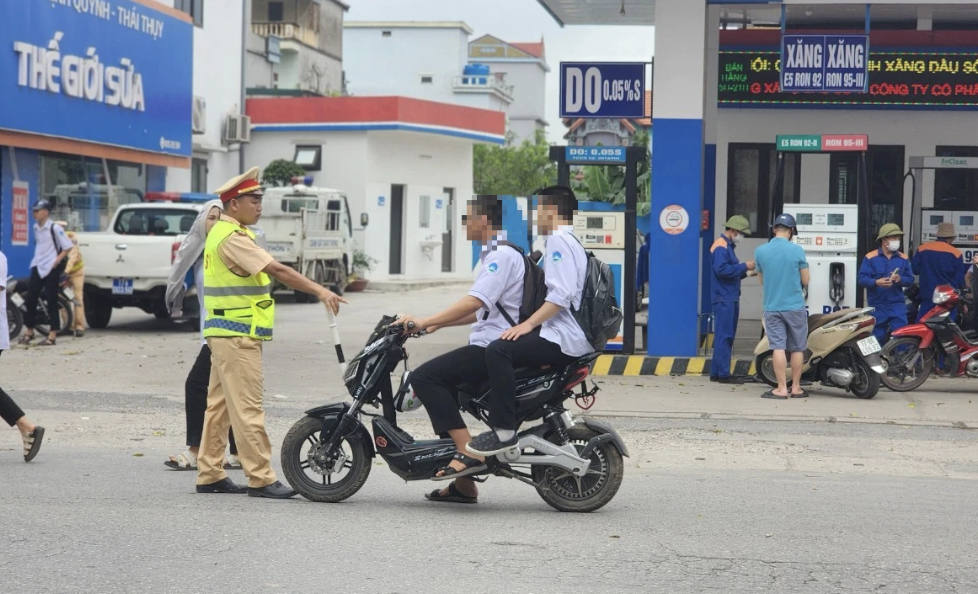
(938,263)
(240,316)
(727,274)
(884,273)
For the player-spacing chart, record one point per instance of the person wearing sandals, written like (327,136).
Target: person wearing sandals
(51,247)
(187,271)
(9,411)
(499,286)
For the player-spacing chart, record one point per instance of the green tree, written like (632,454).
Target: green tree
(280,173)
(513,170)
(606,183)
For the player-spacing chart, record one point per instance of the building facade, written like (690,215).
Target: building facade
(405,162)
(91,117)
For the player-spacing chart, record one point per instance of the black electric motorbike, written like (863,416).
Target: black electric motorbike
(574,464)
(17,297)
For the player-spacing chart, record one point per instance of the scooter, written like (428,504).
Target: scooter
(842,353)
(15,319)
(17,295)
(575,464)
(914,351)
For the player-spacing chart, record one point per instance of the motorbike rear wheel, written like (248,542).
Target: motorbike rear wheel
(765,369)
(567,492)
(866,384)
(302,465)
(902,356)
(15,319)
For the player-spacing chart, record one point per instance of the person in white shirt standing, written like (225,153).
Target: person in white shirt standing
(51,248)
(9,411)
(551,335)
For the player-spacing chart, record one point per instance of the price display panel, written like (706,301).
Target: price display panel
(907,79)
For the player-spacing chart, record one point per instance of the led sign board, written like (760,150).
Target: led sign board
(911,79)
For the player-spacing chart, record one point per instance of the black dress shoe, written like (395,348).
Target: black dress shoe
(275,490)
(714,378)
(225,485)
(732,379)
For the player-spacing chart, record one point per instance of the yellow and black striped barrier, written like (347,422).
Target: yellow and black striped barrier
(635,365)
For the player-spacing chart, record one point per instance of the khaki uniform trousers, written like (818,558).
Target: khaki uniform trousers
(234,398)
(77,280)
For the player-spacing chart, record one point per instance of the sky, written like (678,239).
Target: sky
(521,21)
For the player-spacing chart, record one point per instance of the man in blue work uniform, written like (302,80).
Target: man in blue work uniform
(938,263)
(884,273)
(727,274)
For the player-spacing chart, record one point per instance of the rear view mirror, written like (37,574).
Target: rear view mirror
(364,219)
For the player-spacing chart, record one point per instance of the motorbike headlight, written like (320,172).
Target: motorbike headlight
(351,371)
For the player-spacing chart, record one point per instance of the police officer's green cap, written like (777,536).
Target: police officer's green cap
(738,223)
(889,230)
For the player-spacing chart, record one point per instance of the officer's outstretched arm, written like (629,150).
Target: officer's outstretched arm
(289,277)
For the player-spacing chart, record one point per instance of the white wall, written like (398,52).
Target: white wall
(920,132)
(377,65)
(364,165)
(218,48)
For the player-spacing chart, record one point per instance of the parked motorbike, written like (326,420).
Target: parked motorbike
(15,319)
(914,351)
(574,464)
(17,297)
(842,353)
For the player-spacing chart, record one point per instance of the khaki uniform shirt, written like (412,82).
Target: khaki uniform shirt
(241,254)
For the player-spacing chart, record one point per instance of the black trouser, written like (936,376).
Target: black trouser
(436,381)
(9,411)
(195,397)
(503,357)
(50,285)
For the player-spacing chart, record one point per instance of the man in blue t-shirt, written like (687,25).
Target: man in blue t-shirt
(783,272)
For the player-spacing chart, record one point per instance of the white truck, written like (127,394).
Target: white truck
(310,229)
(128,264)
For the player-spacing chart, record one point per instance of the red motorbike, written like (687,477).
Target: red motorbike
(934,345)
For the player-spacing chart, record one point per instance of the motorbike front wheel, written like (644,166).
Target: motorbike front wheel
(326,477)
(567,492)
(907,366)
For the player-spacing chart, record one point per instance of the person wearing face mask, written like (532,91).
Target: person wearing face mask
(728,271)
(884,273)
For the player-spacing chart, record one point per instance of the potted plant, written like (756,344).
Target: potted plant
(362,264)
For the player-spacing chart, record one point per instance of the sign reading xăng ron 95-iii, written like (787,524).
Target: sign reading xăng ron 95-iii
(112,72)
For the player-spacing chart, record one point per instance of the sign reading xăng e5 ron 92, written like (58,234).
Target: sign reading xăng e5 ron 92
(112,72)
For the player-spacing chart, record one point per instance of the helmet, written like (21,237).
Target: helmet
(738,223)
(41,205)
(785,220)
(405,399)
(888,230)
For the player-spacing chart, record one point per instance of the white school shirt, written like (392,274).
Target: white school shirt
(565,265)
(45,252)
(4,329)
(500,280)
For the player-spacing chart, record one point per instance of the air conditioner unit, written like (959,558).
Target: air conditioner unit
(237,128)
(200,115)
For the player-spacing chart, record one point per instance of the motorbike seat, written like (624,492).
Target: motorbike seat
(816,321)
(477,389)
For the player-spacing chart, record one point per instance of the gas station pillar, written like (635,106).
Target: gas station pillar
(678,161)
(710,159)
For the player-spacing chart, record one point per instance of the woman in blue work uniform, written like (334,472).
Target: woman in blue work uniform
(727,274)
(884,273)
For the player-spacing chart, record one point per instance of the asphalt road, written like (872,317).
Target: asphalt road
(723,491)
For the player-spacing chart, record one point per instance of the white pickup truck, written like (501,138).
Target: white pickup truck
(128,265)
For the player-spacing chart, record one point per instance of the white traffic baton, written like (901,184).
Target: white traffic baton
(336,340)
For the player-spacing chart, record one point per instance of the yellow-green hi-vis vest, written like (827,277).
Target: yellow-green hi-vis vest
(236,305)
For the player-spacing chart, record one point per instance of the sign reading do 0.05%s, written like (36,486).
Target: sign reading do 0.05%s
(602,90)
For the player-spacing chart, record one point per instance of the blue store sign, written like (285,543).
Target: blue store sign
(106,71)
(825,63)
(602,90)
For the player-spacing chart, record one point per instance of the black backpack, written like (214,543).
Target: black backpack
(534,288)
(599,316)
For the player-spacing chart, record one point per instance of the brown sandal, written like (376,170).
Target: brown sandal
(47,342)
(32,443)
(25,339)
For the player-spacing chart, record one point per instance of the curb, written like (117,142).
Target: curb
(636,365)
